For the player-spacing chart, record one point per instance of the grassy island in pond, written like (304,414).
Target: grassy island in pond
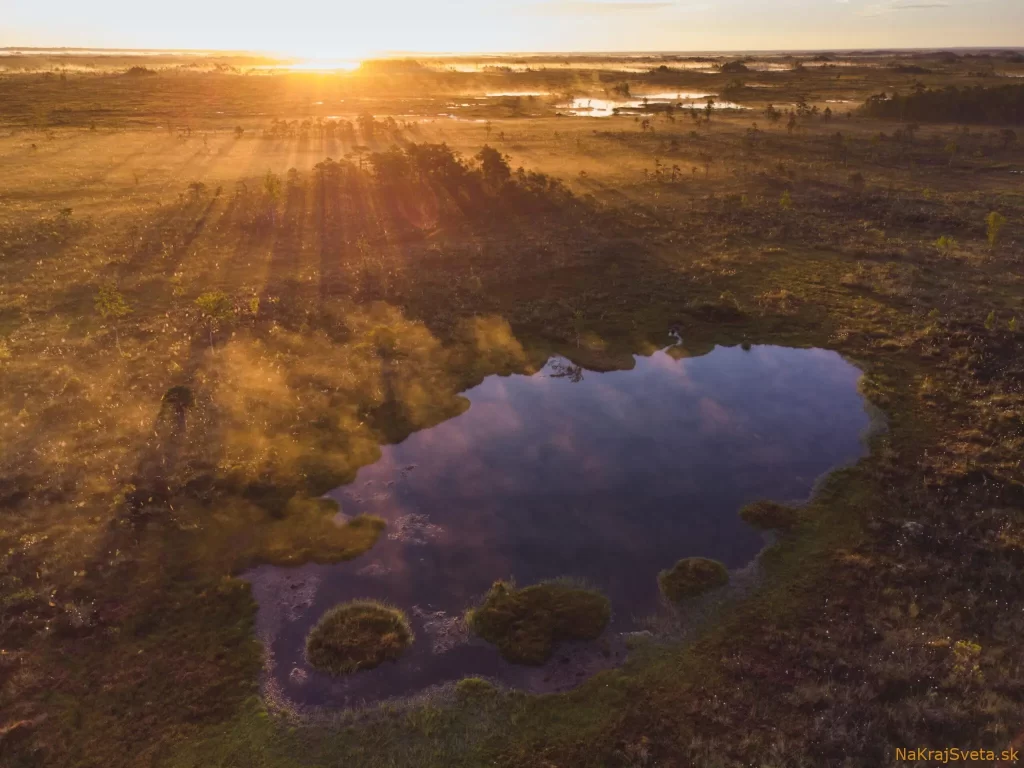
(769,515)
(526,623)
(692,576)
(358,635)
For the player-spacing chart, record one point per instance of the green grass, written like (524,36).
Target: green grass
(474,686)
(690,577)
(527,623)
(361,634)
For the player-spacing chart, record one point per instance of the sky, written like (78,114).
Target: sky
(357,29)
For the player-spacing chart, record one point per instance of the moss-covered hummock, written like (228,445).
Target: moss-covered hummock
(358,635)
(769,514)
(526,623)
(692,576)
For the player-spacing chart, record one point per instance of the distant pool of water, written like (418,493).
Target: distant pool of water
(609,477)
(584,106)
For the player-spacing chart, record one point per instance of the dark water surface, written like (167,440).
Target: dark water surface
(609,477)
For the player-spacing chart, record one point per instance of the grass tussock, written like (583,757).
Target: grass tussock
(473,687)
(362,634)
(526,623)
(692,576)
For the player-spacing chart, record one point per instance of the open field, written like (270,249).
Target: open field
(205,325)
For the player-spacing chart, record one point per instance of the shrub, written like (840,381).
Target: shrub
(768,514)
(494,167)
(526,623)
(692,576)
(469,687)
(994,222)
(361,634)
(734,68)
(110,303)
(216,308)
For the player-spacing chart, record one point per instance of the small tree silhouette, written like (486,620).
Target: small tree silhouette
(577,324)
(111,305)
(272,191)
(951,149)
(705,159)
(494,167)
(995,222)
(215,308)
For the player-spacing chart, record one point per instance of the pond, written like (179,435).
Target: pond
(608,477)
(585,106)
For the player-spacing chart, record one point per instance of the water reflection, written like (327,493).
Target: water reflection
(605,476)
(585,106)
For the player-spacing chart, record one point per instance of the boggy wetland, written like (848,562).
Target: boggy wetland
(604,477)
(576,410)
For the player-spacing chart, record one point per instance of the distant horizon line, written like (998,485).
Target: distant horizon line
(504,54)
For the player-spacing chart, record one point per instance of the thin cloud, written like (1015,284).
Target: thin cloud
(895,5)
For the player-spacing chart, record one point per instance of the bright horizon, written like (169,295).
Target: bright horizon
(349,30)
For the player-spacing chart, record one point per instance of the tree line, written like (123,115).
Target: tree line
(1001,105)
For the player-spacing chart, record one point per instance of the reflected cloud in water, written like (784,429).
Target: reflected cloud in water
(609,477)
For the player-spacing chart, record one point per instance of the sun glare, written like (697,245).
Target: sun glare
(324,65)
(314,64)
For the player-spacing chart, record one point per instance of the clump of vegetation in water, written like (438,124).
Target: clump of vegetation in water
(692,576)
(526,623)
(769,514)
(361,634)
